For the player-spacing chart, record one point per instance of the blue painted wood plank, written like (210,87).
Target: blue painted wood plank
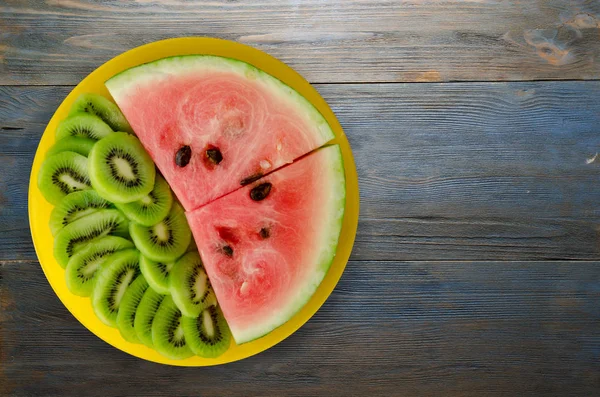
(478,171)
(60,42)
(389,328)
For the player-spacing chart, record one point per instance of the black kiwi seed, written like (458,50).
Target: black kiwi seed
(87,260)
(251,179)
(172,331)
(120,153)
(110,226)
(261,191)
(214,155)
(183,156)
(227,250)
(264,232)
(215,320)
(112,303)
(64,187)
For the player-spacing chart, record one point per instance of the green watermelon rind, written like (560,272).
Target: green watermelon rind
(332,234)
(121,83)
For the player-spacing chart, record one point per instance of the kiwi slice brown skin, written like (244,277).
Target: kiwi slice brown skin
(103,108)
(167,331)
(73,237)
(207,335)
(74,206)
(165,241)
(61,174)
(120,169)
(189,285)
(144,316)
(128,307)
(153,207)
(83,267)
(115,277)
(83,125)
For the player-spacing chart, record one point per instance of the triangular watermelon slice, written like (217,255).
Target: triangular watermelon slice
(267,247)
(213,124)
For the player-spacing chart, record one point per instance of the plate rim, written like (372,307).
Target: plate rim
(154,51)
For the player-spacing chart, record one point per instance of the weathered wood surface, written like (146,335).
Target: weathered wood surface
(389,329)
(486,171)
(476,268)
(61,41)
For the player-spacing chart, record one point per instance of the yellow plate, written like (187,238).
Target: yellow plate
(39,208)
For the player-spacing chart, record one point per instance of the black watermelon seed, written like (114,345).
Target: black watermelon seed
(264,232)
(227,250)
(261,191)
(214,155)
(183,156)
(251,178)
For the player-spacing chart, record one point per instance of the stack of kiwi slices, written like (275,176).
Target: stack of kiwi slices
(123,238)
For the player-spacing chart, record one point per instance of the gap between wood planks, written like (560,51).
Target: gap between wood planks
(377,82)
(527,261)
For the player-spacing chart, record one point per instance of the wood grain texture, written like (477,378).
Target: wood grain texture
(390,328)
(61,41)
(486,171)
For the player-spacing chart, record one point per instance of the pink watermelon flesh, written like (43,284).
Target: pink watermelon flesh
(209,103)
(266,258)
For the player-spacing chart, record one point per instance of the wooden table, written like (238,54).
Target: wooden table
(475,126)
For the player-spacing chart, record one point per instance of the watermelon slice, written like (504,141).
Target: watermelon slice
(213,124)
(266,247)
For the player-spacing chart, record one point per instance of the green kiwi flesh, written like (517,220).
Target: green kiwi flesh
(74,206)
(73,237)
(189,285)
(84,266)
(144,315)
(165,241)
(112,283)
(84,126)
(128,308)
(156,273)
(120,169)
(208,334)
(61,174)
(75,144)
(103,108)
(153,207)
(167,331)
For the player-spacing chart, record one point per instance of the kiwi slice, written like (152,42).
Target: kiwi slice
(165,241)
(153,207)
(100,106)
(61,174)
(167,331)
(120,169)
(189,285)
(73,237)
(83,266)
(84,126)
(128,307)
(112,283)
(75,144)
(74,206)
(157,273)
(208,334)
(144,315)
